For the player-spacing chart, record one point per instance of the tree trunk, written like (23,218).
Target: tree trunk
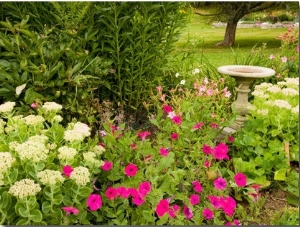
(229,36)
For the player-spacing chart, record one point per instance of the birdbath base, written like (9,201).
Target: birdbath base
(244,75)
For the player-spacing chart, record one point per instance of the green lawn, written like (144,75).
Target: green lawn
(199,37)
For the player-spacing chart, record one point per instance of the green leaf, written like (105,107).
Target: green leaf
(293,200)
(57,199)
(23,222)
(31,96)
(148,215)
(36,215)
(280,175)
(46,207)
(4,200)
(23,212)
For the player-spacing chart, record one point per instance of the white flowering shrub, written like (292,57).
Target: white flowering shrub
(44,166)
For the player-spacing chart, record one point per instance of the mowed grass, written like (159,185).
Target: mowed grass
(200,38)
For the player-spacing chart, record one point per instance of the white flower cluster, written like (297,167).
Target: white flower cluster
(263,112)
(66,153)
(295,109)
(263,86)
(57,118)
(12,145)
(90,159)
(24,188)
(98,149)
(78,133)
(1,177)
(195,71)
(32,150)
(2,124)
(7,107)
(274,89)
(260,94)
(292,82)
(290,92)
(33,120)
(50,177)
(6,161)
(282,104)
(38,138)
(80,175)
(51,106)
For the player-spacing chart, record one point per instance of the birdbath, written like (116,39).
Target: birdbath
(244,75)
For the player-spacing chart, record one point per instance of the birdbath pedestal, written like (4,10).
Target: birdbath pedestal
(244,75)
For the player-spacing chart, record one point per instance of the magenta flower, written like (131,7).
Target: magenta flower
(228,205)
(206,164)
(111,193)
(107,166)
(194,199)
(174,136)
(34,105)
(220,183)
(177,120)
(215,201)
(198,125)
(163,151)
(231,139)
(143,135)
(130,170)
(138,200)
(173,209)
(188,212)
(70,210)
(220,152)
(167,109)
(67,170)
(133,146)
(240,179)
(197,186)
(94,202)
(235,222)
(214,125)
(144,188)
(206,149)
(207,213)
(162,207)
(133,192)
(123,192)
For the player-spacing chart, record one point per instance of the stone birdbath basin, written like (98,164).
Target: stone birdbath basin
(244,75)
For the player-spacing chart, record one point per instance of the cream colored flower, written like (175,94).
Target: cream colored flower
(98,149)
(90,159)
(7,107)
(24,188)
(290,92)
(274,89)
(80,175)
(50,177)
(263,112)
(282,104)
(66,153)
(38,138)
(51,106)
(34,120)
(32,150)
(6,161)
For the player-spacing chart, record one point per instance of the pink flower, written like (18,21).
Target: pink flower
(207,213)
(107,166)
(206,164)
(206,149)
(235,222)
(174,136)
(171,114)
(144,188)
(162,207)
(163,151)
(143,135)
(111,193)
(167,108)
(94,201)
(159,88)
(34,105)
(214,125)
(67,170)
(177,120)
(227,94)
(133,146)
(210,92)
(228,205)
(123,192)
(197,186)
(70,210)
(284,59)
(272,56)
(194,199)
(198,125)
(240,179)
(133,192)
(130,170)
(231,139)
(215,201)
(188,212)
(138,200)
(220,152)
(220,183)
(173,209)
(102,133)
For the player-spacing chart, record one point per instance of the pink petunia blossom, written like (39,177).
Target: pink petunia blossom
(171,114)
(207,213)
(235,222)
(163,151)
(215,201)
(210,92)
(162,207)
(133,146)
(188,212)
(220,183)
(284,59)
(240,179)
(94,202)
(123,192)
(194,199)
(207,164)
(227,94)
(107,166)
(197,186)
(198,125)
(34,105)
(102,133)
(143,135)
(67,170)
(207,149)
(131,170)
(138,200)
(173,209)
(167,108)
(70,210)
(214,125)
(111,193)
(230,139)
(174,136)
(220,152)
(177,120)
(133,192)
(228,205)
(144,188)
